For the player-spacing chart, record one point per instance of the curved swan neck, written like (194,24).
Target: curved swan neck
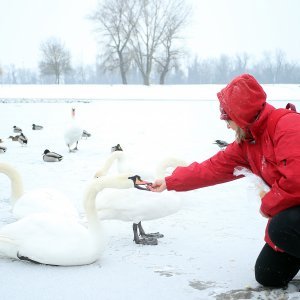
(16,181)
(96,186)
(169,162)
(119,155)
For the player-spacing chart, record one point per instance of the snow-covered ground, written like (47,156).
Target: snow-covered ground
(209,247)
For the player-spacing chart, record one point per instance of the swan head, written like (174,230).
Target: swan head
(120,181)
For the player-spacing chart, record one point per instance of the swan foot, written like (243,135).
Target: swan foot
(156,235)
(143,234)
(147,241)
(144,240)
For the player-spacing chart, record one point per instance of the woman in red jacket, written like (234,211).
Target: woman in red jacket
(275,158)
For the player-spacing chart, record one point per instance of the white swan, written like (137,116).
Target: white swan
(37,200)
(134,206)
(73,133)
(55,240)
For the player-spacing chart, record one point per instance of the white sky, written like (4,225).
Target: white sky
(216,27)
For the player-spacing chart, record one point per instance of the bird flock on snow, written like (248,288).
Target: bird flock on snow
(48,229)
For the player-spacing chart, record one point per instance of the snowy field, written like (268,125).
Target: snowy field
(209,247)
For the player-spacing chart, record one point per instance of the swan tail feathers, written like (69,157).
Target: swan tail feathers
(8,247)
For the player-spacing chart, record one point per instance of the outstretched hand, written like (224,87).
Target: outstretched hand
(159,185)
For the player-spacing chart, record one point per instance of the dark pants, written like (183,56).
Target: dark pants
(277,269)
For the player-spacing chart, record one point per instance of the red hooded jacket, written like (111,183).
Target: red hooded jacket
(276,160)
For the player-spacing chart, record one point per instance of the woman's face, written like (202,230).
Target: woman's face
(231,125)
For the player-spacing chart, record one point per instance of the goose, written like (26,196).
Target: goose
(73,133)
(22,139)
(50,156)
(54,240)
(3,149)
(131,206)
(17,129)
(37,127)
(37,200)
(85,134)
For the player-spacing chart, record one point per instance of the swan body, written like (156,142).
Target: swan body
(73,133)
(50,156)
(37,200)
(132,206)
(54,240)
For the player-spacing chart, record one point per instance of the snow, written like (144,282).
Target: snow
(209,247)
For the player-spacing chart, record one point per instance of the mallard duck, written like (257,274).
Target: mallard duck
(17,129)
(3,149)
(14,138)
(116,148)
(22,139)
(50,156)
(85,134)
(37,127)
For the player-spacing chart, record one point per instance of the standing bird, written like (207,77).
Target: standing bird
(49,156)
(73,133)
(136,207)
(37,127)
(221,144)
(17,129)
(22,139)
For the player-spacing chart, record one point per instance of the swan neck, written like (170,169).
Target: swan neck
(16,181)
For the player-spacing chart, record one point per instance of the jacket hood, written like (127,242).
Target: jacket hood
(242,100)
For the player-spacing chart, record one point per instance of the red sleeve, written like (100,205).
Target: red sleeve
(285,192)
(217,169)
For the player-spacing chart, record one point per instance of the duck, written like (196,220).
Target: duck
(22,139)
(3,149)
(85,134)
(37,200)
(131,206)
(17,129)
(221,144)
(49,239)
(50,156)
(14,138)
(116,148)
(37,127)
(73,133)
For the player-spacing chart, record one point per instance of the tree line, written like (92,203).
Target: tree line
(142,43)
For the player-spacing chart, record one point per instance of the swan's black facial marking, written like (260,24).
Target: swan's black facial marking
(139,183)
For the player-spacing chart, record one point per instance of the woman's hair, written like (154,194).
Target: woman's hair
(240,135)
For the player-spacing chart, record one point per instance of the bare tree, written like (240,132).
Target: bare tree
(168,53)
(115,21)
(56,59)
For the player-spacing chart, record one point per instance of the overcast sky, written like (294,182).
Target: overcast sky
(216,27)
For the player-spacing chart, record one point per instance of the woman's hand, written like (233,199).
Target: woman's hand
(159,185)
